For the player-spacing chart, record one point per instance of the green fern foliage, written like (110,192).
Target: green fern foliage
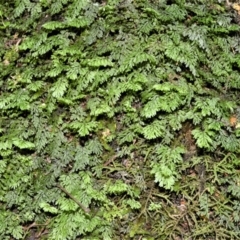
(119,120)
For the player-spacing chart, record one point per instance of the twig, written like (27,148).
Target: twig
(144,211)
(86,210)
(110,160)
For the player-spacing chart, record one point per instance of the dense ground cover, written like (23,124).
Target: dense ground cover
(119,119)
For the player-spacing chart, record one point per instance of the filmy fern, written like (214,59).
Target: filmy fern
(119,120)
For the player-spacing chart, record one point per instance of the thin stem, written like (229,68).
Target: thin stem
(86,210)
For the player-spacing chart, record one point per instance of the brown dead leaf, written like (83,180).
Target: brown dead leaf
(106,133)
(6,62)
